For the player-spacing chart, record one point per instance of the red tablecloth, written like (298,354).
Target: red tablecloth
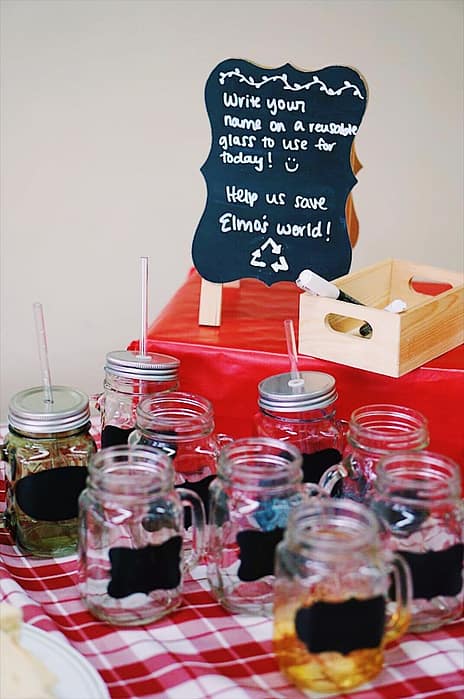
(226,363)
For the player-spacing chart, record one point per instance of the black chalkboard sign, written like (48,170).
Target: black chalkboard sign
(278,173)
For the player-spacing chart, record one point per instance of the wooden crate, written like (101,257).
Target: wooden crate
(430,326)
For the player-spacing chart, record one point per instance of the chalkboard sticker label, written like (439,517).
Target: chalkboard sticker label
(169,447)
(201,488)
(436,573)
(51,496)
(278,173)
(145,569)
(315,464)
(112,436)
(257,553)
(341,627)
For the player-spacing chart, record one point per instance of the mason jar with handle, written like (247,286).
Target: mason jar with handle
(132,558)
(417,496)
(129,378)
(333,613)
(259,480)
(182,425)
(373,432)
(46,453)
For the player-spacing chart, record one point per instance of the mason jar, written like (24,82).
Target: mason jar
(46,450)
(132,558)
(333,612)
(259,481)
(302,411)
(130,377)
(182,425)
(373,432)
(417,496)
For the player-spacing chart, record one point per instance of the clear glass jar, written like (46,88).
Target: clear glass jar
(417,497)
(182,425)
(332,610)
(259,480)
(46,450)
(130,377)
(302,411)
(131,536)
(373,432)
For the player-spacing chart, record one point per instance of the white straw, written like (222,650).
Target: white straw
(43,352)
(296,379)
(144,307)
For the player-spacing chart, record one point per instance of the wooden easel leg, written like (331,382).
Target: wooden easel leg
(210,303)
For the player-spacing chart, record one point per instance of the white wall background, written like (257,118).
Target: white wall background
(104,131)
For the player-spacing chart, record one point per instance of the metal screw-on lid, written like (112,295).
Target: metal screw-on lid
(284,393)
(149,367)
(29,412)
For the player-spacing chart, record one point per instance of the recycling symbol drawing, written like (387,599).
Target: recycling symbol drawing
(279,265)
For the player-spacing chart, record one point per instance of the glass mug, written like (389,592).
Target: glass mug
(46,453)
(130,377)
(373,431)
(259,480)
(302,411)
(332,611)
(182,425)
(417,498)
(131,557)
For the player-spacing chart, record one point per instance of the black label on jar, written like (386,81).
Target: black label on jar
(201,488)
(51,496)
(436,573)
(169,448)
(341,627)
(112,436)
(314,465)
(257,553)
(146,569)
(402,520)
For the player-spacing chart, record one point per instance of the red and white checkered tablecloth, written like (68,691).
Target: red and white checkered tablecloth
(201,651)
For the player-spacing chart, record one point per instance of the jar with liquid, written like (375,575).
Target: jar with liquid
(129,378)
(302,411)
(333,613)
(46,450)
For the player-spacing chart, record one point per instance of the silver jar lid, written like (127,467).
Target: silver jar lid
(29,412)
(284,393)
(149,367)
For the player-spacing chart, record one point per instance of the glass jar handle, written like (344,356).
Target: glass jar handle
(343,426)
(398,620)
(195,503)
(134,438)
(223,439)
(332,476)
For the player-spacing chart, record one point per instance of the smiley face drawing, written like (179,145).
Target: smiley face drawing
(291,165)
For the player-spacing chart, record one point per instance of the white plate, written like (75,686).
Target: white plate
(76,678)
